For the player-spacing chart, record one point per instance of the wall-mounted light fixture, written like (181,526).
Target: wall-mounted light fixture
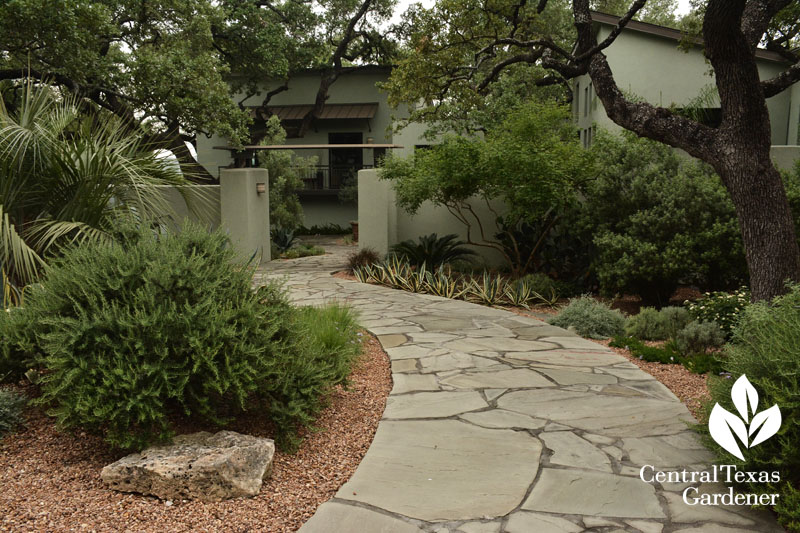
(261,188)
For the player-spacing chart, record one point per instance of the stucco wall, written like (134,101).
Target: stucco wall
(327,210)
(199,204)
(381,223)
(655,69)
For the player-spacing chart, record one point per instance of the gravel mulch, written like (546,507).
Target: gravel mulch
(50,481)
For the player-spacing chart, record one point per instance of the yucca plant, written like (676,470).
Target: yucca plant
(433,250)
(68,174)
(490,290)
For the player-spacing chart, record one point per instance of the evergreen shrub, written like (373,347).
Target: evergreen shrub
(590,318)
(136,333)
(657,325)
(699,337)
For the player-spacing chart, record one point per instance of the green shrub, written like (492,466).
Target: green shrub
(17,345)
(590,318)
(668,354)
(766,348)
(674,319)
(134,334)
(365,256)
(721,307)
(657,325)
(11,406)
(699,337)
(433,250)
(647,325)
(658,220)
(327,229)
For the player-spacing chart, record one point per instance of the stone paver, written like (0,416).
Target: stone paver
(499,423)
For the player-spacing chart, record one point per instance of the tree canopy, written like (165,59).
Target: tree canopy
(522,170)
(175,66)
(459,48)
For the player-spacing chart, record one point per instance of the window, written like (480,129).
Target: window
(586,100)
(577,99)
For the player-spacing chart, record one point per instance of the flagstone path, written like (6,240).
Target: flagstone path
(502,423)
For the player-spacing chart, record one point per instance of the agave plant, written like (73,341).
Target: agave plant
(283,238)
(442,283)
(490,290)
(433,250)
(67,177)
(519,293)
(396,272)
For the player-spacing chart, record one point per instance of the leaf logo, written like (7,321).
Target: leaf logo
(725,426)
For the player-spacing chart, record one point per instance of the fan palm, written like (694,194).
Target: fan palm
(67,177)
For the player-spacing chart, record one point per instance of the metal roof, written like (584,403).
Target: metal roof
(330,111)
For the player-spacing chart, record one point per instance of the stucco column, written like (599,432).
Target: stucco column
(377,212)
(245,210)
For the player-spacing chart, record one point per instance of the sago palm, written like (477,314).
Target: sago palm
(67,176)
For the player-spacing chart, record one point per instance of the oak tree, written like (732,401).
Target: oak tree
(478,41)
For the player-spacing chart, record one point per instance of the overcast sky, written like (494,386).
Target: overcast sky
(403,4)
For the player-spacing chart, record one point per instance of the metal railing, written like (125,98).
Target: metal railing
(328,177)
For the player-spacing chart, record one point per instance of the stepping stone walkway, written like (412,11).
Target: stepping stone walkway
(503,423)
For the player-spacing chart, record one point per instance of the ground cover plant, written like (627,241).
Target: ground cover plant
(303,250)
(766,348)
(133,334)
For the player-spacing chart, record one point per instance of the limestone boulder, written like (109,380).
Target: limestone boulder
(197,466)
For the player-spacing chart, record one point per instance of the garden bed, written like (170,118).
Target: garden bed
(50,481)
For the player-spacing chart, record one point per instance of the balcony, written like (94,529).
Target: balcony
(331,178)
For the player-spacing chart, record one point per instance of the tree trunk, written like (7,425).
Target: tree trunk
(765,221)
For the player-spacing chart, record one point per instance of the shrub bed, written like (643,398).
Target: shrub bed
(136,333)
(766,348)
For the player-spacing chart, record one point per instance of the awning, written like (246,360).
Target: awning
(330,111)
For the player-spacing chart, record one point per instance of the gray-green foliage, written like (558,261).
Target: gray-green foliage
(699,337)
(658,220)
(135,333)
(766,348)
(657,325)
(590,318)
(11,406)
(65,178)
